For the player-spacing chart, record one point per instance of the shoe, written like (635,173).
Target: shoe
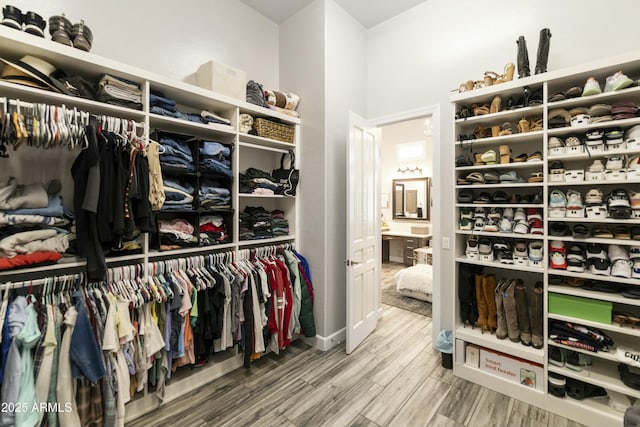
(536,227)
(508,214)
(495,214)
(617,252)
(557,168)
(521,158)
(472,251)
(596,211)
(557,356)
(621,232)
(602,232)
(520,249)
(490,226)
(635,199)
(521,227)
(615,163)
(595,251)
(576,259)
(483,198)
(580,390)
(505,154)
(491,177)
(559,229)
(475,178)
(596,166)
(556,144)
(535,157)
(614,137)
(622,268)
(60,29)
(466,225)
(578,361)
(536,177)
(617,81)
(572,142)
(510,176)
(479,213)
(557,384)
(574,200)
(463,160)
(520,215)
(635,232)
(34,24)
(82,37)
(593,197)
(536,251)
(466,213)
(599,266)
(500,197)
(478,224)
(12,17)
(506,226)
(496,105)
(557,199)
(591,87)
(635,272)
(484,247)
(534,213)
(581,231)
(489,157)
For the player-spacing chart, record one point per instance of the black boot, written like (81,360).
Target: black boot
(543,51)
(523,58)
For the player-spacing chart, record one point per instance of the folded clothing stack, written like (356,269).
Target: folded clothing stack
(176,233)
(178,194)
(259,223)
(256,181)
(579,336)
(279,224)
(214,195)
(213,230)
(119,91)
(33,222)
(215,159)
(285,103)
(175,155)
(165,106)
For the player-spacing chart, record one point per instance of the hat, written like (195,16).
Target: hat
(32,71)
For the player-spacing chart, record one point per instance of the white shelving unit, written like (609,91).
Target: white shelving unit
(248,151)
(604,370)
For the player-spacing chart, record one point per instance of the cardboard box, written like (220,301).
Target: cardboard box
(512,368)
(223,79)
(420,230)
(582,308)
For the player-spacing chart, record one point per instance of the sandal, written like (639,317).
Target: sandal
(535,157)
(505,154)
(496,105)
(480,110)
(625,318)
(509,70)
(535,125)
(523,125)
(495,131)
(505,129)
(536,177)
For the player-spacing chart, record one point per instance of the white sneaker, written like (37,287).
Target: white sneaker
(472,251)
(591,87)
(635,273)
(506,226)
(615,163)
(520,215)
(536,251)
(508,213)
(621,268)
(574,200)
(596,166)
(593,197)
(617,81)
(617,252)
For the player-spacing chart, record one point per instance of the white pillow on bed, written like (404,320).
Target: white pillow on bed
(416,278)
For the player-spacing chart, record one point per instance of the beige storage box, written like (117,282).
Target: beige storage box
(223,79)
(420,230)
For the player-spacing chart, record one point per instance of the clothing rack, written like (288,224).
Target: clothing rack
(48,126)
(264,251)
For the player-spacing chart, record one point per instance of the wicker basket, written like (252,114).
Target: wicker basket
(273,130)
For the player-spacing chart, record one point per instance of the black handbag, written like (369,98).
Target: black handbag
(288,177)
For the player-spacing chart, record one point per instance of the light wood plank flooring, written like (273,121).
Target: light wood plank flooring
(393,379)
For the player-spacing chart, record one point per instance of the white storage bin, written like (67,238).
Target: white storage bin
(575,213)
(536,264)
(595,149)
(557,212)
(594,176)
(633,174)
(556,177)
(520,260)
(223,79)
(557,151)
(488,258)
(576,149)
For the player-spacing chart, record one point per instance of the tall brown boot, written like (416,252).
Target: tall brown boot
(489,289)
(511,312)
(537,326)
(482,303)
(501,331)
(522,306)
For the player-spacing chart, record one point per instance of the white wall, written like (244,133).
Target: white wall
(418,57)
(344,91)
(174,38)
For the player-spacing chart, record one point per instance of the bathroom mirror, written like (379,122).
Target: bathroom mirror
(411,199)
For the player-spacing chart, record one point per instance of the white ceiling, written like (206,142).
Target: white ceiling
(367,12)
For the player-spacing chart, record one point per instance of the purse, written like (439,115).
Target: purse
(288,177)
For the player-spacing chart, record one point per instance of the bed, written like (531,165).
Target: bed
(416,282)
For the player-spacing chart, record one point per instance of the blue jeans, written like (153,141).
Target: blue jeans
(212,148)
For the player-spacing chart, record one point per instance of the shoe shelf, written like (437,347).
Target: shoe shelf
(498,264)
(489,340)
(29,94)
(594,155)
(500,234)
(592,183)
(535,136)
(604,296)
(615,279)
(601,373)
(593,411)
(502,116)
(261,142)
(604,326)
(629,94)
(172,124)
(502,185)
(631,221)
(527,394)
(518,165)
(498,205)
(572,130)
(622,242)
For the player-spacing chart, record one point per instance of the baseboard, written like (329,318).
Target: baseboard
(327,343)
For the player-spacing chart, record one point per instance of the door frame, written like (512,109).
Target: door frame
(434,112)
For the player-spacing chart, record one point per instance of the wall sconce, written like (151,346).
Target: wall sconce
(411,171)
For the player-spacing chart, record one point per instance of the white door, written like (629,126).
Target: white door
(363,231)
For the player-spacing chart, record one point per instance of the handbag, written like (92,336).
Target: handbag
(288,177)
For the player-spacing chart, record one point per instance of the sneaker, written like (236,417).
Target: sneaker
(520,250)
(466,224)
(635,200)
(557,356)
(557,168)
(581,231)
(595,251)
(484,247)
(559,229)
(613,138)
(596,211)
(591,87)
(634,253)
(557,199)
(618,198)
(574,200)
(508,214)
(581,390)
(601,267)
(617,252)
(617,81)
(634,162)
(466,213)
(576,266)
(479,224)
(500,197)
(577,361)
(555,142)
(615,163)
(594,138)
(533,214)
(536,227)
(593,197)
(472,251)
(490,226)
(521,227)
(557,384)
(558,261)
(576,252)
(622,268)
(635,273)
(479,213)
(596,166)
(520,215)
(506,226)
(536,251)
(495,214)
(572,141)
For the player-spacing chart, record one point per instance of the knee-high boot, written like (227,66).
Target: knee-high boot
(543,51)
(481,302)
(489,288)
(522,306)
(523,58)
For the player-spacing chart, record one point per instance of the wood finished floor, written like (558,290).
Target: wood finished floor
(393,379)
